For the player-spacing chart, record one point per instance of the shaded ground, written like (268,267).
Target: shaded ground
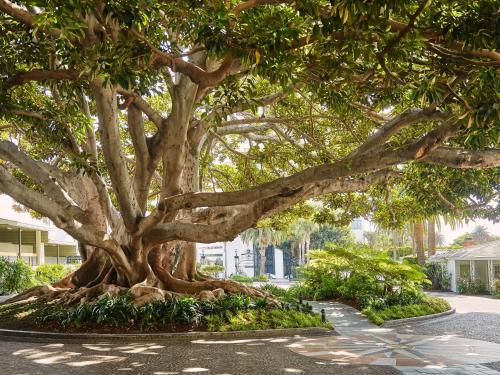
(235,357)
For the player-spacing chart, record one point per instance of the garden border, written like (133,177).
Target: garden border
(31,336)
(398,322)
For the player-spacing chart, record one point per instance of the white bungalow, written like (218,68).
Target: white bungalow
(475,262)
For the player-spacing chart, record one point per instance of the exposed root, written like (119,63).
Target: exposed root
(83,295)
(46,291)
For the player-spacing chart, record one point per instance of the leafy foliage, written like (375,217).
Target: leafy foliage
(358,274)
(229,312)
(15,276)
(427,306)
(469,286)
(438,275)
(50,273)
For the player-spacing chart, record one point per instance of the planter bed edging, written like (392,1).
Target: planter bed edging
(398,322)
(18,335)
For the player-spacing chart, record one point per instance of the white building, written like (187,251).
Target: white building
(239,258)
(480,262)
(37,241)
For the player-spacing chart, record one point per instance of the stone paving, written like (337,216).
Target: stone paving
(363,343)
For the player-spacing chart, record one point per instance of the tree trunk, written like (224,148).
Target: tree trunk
(431,237)
(418,233)
(262,260)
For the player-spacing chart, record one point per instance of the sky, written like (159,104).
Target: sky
(450,234)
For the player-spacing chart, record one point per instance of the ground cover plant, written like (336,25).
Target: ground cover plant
(179,314)
(426,306)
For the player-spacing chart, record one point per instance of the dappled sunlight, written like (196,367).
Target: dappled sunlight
(195,369)
(398,350)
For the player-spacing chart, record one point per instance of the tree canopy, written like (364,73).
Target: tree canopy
(134,124)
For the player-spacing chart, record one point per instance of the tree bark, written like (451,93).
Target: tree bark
(418,232)
(262,260)
(431,237)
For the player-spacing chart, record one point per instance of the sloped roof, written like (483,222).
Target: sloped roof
(488,250)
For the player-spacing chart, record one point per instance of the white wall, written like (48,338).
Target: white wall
(452,271)
(279,270)
(227,251)
(7,212)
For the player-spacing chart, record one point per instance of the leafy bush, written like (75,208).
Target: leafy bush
(212,269)
(439,277)
(263,278)
(227,313)
(15,276)
(242,279)
(427,306)
(370,279)
(50,273)
(496,288)
(468,286)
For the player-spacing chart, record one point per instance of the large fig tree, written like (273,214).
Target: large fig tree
(142,127)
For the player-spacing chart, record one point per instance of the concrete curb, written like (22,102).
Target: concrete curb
(398,322)
(31,336)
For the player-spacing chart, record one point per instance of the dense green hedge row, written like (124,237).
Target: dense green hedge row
(18,275)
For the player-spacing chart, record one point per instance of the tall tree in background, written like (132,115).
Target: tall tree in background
(431,237)
(302,230)
(141,128)
(262,238)
(418,234)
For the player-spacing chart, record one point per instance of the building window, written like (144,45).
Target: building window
(464,271)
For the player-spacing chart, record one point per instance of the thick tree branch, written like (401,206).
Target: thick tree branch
(350,166)
(22,15)
(248,215)
(41,75)
(10,152)
(144,106)
(460,158)
(106,103)
(394,125)
(38,202)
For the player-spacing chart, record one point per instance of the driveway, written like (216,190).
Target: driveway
(470,304)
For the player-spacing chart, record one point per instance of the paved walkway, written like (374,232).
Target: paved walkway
(363,343)
(470,304)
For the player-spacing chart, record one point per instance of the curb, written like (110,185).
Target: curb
(398,322)
(30,336)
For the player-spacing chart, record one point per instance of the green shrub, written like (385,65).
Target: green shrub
(261,278)
(468,286)
(50,273)
(427,306)
(439,277)
(242,279)
(15,276)
(211,269)
(369,278)
(496,288)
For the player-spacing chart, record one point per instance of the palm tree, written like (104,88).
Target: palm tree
(418,235)
(431,236)
(262,237)
(302,230)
